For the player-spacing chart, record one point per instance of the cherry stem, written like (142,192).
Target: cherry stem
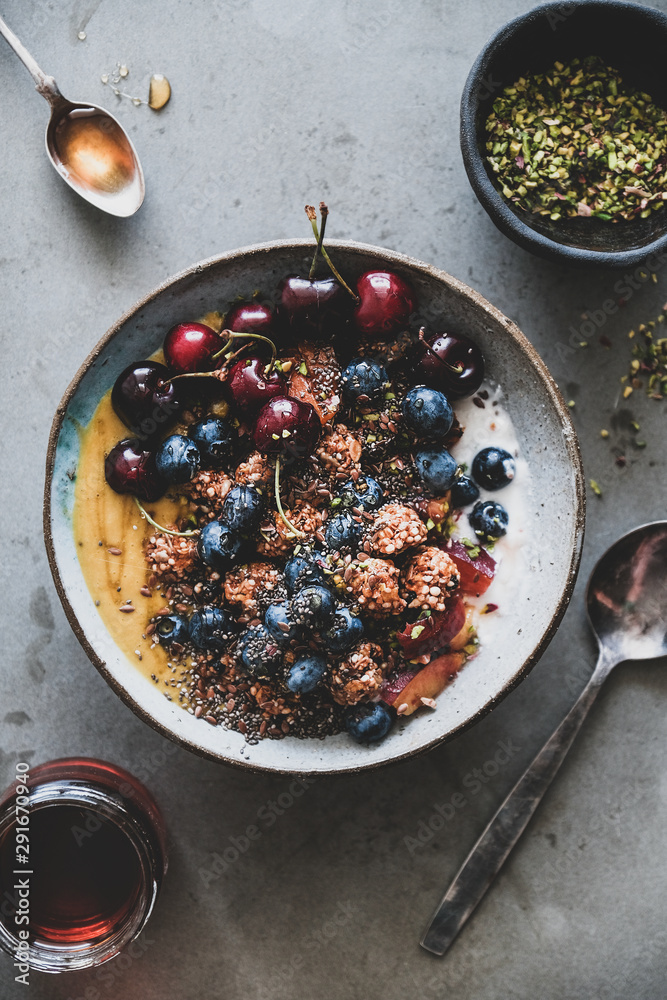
(320,240)
(455,369)
(324,211)
(295,531)
(166,531)
(232,336)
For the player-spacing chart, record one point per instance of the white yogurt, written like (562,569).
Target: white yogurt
(483,428)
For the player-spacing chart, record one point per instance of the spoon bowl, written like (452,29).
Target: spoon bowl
(94,155)
(87,146)
(626,598)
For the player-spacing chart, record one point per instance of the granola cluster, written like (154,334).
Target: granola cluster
(209,489)
(171,558)
(278,540)
(432,576)
(256,470)
(339,450)
(395,529)
(248,587)
(358,676)
(374,585)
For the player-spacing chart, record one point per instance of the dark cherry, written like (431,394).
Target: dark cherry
(315,308)
(189,347)
(144,398)
(130,468)
(385,303)
(250,317)
(287,426)
(249,385)
(450,362)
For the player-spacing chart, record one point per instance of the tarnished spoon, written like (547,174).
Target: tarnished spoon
(87,146)
(626,602)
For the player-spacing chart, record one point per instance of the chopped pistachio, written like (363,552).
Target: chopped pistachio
(578,141)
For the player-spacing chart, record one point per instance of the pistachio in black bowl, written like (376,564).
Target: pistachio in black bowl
(629,38)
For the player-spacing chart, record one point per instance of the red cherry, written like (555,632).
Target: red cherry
(250,387)
(250,317)
(287,426)
(144,398)
(189,347)
(314,308)
(130,468)
(385,303)
(449,362)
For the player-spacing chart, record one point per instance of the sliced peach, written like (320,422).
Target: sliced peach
(428,683)
(315,379)
(467,632)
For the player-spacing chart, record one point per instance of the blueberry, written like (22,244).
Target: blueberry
(436,468)
(242,509)
(489,520)
(428,413)
(342,532)
(172,628)
(212,628)
(366,493)
(215,440)
(364,381)
(218,545)
(306,674)
(276,615)
(304,567)
(368,722)
(177,459)
(345,632)
(313,607)
(464,492)
(259,652)
(493,468)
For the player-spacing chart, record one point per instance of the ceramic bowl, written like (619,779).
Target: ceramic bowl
(631,38)
(547,439)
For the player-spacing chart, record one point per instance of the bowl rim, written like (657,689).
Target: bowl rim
(505,218)
(389,257)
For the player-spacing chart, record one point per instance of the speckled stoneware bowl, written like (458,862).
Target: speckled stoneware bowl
(555,503)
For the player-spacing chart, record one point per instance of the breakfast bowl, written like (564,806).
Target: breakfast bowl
(626,36)
(539,575)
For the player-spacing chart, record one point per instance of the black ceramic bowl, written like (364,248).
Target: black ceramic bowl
(627,36)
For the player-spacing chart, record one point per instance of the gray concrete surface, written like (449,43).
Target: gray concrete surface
(275,104)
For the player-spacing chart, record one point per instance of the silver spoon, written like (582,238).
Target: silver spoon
(626,602)
(87,146)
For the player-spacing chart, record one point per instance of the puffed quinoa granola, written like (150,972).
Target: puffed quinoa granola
(257,470)
(395,529)
(359,675)
(171,557)
(277,539)
(432,576)
(374,584)
(339,450)
(246,585)
(209,489)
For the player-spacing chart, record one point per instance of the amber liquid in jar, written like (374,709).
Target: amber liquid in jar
(94,863)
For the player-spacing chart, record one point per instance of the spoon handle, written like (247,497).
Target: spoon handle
(493,847)
(45,85)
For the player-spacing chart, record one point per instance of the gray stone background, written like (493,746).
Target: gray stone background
(277,103)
